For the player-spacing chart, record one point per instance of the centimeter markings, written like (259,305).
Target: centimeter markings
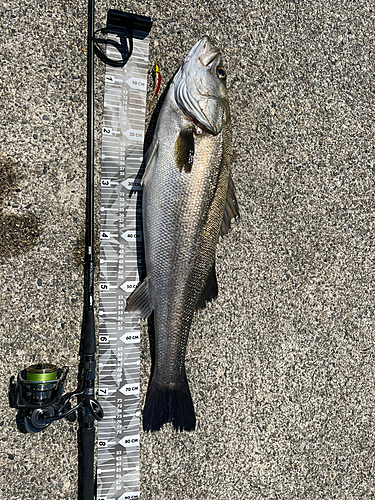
(119,334)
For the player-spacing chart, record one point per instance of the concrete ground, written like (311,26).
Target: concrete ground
(281,365)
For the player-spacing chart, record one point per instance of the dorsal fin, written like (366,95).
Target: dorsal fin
(231,210)
(210,290)
(149,159)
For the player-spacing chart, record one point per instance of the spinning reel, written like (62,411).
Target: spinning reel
(40,399)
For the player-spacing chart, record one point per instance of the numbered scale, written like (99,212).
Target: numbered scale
(120,240)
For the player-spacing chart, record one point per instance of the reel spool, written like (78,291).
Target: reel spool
(43,385)
(40,399)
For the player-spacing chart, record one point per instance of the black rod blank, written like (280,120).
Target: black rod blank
(90,155)
(88,363)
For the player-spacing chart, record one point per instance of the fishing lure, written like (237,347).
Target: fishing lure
(157,80)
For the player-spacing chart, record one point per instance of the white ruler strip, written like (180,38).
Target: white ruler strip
(119,334)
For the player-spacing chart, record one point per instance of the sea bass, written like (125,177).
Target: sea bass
(188,201)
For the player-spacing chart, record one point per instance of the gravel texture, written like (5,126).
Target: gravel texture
(281,365)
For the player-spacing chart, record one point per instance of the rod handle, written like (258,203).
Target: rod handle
(89,341)
(88,439)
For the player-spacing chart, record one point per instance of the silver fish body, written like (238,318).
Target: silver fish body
(188,200)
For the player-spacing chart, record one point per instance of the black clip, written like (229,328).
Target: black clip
(123,25)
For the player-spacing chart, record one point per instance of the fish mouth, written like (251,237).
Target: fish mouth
(209,57)
(204,51)
(210,53)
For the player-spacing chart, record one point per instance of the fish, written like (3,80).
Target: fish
(188,201)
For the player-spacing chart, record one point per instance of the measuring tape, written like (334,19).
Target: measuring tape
(120,238)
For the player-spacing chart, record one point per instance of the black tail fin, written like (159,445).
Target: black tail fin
(164,404)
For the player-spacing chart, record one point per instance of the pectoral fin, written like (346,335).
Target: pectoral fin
(231,210)
(138,303)
(184,150)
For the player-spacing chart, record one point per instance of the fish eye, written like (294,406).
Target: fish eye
(221,73)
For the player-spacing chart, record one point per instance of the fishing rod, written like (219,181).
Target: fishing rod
(39,389)
(90,409)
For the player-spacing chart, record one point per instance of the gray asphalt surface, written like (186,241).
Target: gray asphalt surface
(281,365)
